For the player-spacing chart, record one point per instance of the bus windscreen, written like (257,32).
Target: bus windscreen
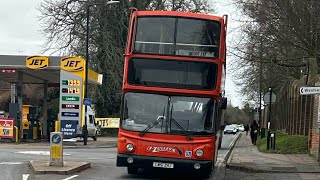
(172,73)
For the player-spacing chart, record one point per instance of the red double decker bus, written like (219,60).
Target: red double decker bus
(173,91)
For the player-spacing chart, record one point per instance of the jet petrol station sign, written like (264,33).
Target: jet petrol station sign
(37,62)
(71,95)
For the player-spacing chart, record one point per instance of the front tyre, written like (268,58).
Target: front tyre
(132,170)
(220,142)
(206,173)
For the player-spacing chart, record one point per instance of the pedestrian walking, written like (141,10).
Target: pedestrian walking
(246,128)
(254,132)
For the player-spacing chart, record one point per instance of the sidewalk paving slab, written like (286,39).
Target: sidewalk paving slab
(69,167)
(246,157)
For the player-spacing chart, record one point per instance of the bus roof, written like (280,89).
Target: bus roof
(178,13)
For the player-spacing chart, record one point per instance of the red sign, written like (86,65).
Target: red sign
(8,70)
(70,106)
(6,128)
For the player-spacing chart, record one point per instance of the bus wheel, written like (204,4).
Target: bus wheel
(132,170)
(205,173)
(220,142)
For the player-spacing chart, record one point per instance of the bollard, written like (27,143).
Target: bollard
(274,141)
(16,134)
(56,149)
(57,126)
(268,140)
(271,141)
(263,133)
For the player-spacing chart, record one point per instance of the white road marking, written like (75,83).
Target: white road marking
(71,177)
(45,153)
(233,141)
(221,160)
(25,176)
(10,163)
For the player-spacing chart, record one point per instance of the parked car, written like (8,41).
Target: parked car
(236,126)
(230,129)
(241,128)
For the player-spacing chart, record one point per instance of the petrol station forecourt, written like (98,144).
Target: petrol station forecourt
(47,71)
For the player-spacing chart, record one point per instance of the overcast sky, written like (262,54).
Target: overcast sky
(20,28)
(20,33)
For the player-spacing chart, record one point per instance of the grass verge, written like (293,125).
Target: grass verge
(285,144)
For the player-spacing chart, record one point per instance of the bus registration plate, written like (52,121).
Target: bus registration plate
(162,165)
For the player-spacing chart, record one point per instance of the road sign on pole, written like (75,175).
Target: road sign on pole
(87,102)
(309,90)
(267,97)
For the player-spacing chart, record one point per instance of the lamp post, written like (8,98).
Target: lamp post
(85,127)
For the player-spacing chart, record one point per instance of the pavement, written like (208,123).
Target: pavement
(102,142)
(246,157)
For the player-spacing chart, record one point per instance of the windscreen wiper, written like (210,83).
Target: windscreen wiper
(151,125)
(159,119)
(179,126)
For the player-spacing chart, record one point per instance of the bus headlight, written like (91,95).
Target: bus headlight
(199,152)
(129,147)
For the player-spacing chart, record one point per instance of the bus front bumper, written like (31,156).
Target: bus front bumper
(148,162)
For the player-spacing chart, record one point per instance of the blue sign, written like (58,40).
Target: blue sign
(56,139)
(87,101)
(68,128)
(70,114)
(188,153)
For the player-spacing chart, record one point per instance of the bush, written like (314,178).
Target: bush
(285,144)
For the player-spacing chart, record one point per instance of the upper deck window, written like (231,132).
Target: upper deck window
(177,36)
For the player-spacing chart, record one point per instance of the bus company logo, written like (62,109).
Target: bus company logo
(72,64)
(37,62)
(156,149)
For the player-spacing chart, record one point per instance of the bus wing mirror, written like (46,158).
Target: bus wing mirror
(223,103)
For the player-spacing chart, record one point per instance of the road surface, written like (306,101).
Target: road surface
(14,164)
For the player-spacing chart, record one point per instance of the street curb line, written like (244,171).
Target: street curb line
(228,156)
(78,168)
(254,170)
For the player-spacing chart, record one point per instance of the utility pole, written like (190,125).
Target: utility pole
(85,126)
(260,88)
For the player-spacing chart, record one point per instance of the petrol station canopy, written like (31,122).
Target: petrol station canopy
(10,65)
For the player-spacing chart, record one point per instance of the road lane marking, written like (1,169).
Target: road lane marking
(10,163)
(71,177)
(45,153)
(25,176)
(234,139)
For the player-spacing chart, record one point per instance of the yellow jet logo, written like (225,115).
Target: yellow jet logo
(72,64)
(37,62)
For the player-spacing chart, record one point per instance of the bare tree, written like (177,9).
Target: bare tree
(279,35)
(65,27)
